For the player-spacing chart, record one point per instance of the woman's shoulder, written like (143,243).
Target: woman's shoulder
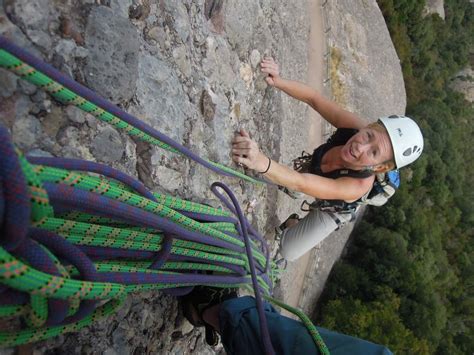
(358,186)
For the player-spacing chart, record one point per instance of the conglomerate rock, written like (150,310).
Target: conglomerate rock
(156,59)
(189,69)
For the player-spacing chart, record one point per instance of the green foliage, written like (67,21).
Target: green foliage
(407,280)
(376,320)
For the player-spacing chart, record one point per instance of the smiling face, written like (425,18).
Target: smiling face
(370,147)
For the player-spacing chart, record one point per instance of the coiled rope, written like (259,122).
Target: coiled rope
(73,245)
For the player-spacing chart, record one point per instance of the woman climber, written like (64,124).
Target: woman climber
(342,169)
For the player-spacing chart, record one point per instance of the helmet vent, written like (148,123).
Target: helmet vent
(407,152)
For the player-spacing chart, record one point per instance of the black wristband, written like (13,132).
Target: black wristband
(268,167)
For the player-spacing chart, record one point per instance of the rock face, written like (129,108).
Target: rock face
(365,70)
(463,82)
(112,63)
(435,7)
(189,69)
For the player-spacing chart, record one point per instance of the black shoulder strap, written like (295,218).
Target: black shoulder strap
(358,174)
(340,137)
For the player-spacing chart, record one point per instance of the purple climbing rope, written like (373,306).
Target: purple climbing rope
(91,96)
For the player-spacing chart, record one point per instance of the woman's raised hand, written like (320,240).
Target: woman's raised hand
(269,66)
(245,151)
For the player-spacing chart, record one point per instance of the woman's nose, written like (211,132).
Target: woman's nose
(362,148)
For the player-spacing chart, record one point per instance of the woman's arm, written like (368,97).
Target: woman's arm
(245,151)
(328,109)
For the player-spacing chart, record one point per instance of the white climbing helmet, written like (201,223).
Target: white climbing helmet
(406,138)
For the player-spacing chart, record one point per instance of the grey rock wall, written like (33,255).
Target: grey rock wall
(364,60)
(187,68)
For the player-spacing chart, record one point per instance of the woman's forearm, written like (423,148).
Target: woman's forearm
(295,89)
(346,188)
(282,175)
(328,109)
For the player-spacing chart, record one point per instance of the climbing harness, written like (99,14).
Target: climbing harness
(77,237)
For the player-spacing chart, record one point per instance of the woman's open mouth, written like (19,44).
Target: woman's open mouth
(352,153)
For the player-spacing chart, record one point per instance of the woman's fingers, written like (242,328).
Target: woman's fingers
(241,151)
(269,71)
(241,160)
(268,66)
(241,140)
(244,133)
(242,145)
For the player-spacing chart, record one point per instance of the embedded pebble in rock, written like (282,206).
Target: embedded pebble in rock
(169,179)
(54,121)
(32,14)
(91,121)
(158,34)
(130,157)
(81,52)
(23,106)
(208,105)
(39,96)
(121,7)
(107,146)
(33,17)
(67,135)
(75,114)
(14,33)
(179,54)
(222,127)
(246,74)
(255,58)
(180,23)
(220,63)
(26,132)
(112,64)
(161,97)
(186,327)
(40,38)
(26,87)
(8,83)
(7,111)
(66,48)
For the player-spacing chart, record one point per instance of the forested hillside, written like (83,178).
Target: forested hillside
(407,280)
